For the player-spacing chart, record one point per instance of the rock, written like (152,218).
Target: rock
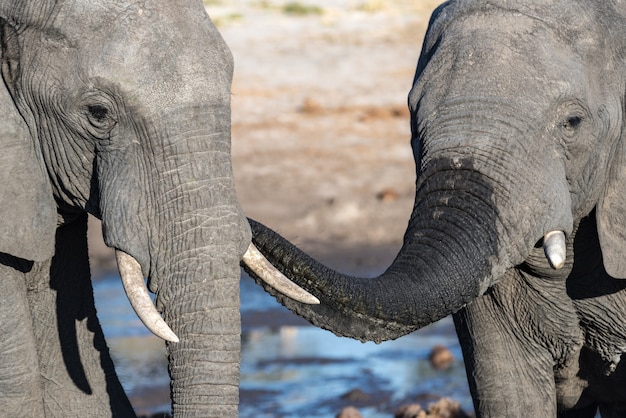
(349,412)
(409,411)
(311,106)
(443,408)
(356,395)
(387,195)
(446,408)
(440,358)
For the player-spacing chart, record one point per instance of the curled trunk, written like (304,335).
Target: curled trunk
(449,255)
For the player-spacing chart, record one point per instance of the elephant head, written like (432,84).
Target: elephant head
(517,117)
(120,109)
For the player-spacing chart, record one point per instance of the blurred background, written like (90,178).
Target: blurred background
(321,153)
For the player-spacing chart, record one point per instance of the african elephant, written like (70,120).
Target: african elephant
(519,223)
(120,109)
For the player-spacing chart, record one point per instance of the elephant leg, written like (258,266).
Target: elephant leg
(506,379)
(20,388)
(77,371)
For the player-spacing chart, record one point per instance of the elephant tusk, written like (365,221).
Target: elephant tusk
(268,273)
(554,248)
(137,293)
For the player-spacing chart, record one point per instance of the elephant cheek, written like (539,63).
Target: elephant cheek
(535,203)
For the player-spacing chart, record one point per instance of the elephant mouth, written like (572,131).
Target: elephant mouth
(139,298)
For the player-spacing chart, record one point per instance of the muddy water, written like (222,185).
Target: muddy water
(289,368)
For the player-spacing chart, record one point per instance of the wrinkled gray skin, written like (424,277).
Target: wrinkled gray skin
(518,130)
(120,109)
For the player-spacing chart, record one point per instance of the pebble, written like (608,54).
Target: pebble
(349,412)
(443,408)
(441,358)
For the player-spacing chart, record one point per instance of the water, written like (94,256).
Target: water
(289,368)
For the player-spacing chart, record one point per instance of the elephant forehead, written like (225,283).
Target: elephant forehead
(156,52)
(516,58)
(517,62)
(571,18)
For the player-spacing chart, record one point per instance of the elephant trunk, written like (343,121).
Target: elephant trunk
(204,361)
(450,252)
(195,275)
(187,235)
(203,311)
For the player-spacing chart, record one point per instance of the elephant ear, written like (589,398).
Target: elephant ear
(27,209)
(611,216)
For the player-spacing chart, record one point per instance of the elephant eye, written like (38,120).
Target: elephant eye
(571,125)
(100,117)
(98,112)
(572,122)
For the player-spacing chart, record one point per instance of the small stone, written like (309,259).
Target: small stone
(443,408)
(410,411)
(387,195)
(311,106)
(349,412)
(446,408)
(355,395)
(440,358)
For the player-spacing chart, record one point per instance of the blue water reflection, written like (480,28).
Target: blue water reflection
(290,368)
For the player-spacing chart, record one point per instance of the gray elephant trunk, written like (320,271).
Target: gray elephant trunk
(200,302)
(198,295)
(449,254)
(188,235)
(195,276)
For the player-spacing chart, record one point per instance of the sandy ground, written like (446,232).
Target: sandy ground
(321,136)
(321,139)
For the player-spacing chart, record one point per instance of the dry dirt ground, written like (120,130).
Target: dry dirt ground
(321,139)
(321,135)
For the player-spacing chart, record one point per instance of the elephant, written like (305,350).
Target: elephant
(518,229)
(120,109)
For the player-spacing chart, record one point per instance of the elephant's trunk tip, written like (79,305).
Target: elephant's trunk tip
(259,265)
(137,293)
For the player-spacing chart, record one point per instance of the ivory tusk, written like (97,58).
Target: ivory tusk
(268,273)
(137,293)
(554,248)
